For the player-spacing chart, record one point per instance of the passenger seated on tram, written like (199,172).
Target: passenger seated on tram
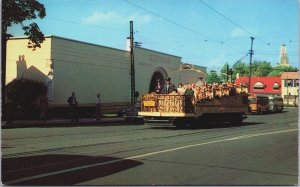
(189,91)
(168,87)
(197,92)
(180,89)
(158,87)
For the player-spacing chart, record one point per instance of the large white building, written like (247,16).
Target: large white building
(67,65)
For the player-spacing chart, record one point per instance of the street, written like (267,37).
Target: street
(262,151)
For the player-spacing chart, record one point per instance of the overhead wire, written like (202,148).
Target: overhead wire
(236,24)
(173,22)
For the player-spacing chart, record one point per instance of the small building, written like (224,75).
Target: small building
(290,88)
(67,65)
(262,85)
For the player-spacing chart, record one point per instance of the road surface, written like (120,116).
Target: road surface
(262,151)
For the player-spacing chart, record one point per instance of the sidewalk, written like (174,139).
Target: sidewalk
(63,122)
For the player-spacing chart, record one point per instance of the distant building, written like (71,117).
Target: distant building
(290,88)
(262,85)
(283,61)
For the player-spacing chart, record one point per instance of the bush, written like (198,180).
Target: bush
(25,93)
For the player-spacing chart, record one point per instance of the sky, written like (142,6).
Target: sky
(203,32)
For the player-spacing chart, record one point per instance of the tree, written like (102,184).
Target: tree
(213,77)
(242,69)
(261,68)
(277,71)
(16,12)
(225,72)
(25,93)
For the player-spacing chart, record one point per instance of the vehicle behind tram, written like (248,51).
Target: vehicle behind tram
(276,104)
(258,103)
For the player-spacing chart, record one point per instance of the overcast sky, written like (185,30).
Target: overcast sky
(203,32)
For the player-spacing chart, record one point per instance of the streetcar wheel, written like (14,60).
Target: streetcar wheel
(179,123)
(146,119)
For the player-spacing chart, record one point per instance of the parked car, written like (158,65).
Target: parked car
(276,104)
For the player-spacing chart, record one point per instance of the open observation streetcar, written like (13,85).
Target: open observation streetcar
(184,109)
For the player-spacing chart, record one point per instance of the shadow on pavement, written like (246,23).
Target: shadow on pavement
(204,126)
(22,167)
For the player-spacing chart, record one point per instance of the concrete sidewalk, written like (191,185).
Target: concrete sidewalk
(63,122)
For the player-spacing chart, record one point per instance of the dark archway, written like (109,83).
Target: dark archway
(159,74)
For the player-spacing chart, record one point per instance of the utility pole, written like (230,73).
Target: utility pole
(132,73)
(251,53)
(227,71)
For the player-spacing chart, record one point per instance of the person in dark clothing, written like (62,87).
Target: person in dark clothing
(158,87)
(189,91)
(98,107)
(168,87)
(73,107)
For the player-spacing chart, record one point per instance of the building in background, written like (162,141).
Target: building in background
(290,88)
(67,65)
(262,85)
(284,60)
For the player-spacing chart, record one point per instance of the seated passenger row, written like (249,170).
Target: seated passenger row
(201,90)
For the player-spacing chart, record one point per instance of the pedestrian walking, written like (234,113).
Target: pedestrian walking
(73,107)
(98,107)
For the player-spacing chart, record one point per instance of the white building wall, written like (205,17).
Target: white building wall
(147,62)
(89,69)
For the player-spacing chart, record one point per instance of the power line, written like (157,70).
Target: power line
(236,24)
(173,22)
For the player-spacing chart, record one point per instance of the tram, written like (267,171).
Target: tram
(183,109)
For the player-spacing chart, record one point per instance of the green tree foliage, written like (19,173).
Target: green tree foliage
(258,68)
(18,11)
(261,68)
(224,71)
(277,71)
(213,77)
(242,69)
(26,91)
(24,95)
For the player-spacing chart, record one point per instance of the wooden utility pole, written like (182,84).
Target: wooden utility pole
(132,72)
(251,53)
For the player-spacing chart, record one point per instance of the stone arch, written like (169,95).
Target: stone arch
(158,74)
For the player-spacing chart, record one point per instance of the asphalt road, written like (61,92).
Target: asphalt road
(262,151)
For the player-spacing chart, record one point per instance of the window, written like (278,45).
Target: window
(294,83)
(287,82)
(259,85)
(276,86)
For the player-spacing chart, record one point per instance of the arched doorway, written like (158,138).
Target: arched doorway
(159,74)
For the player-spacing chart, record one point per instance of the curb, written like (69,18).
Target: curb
(65,123)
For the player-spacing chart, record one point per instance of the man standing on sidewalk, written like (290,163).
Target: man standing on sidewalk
(73,107)
(98,107)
